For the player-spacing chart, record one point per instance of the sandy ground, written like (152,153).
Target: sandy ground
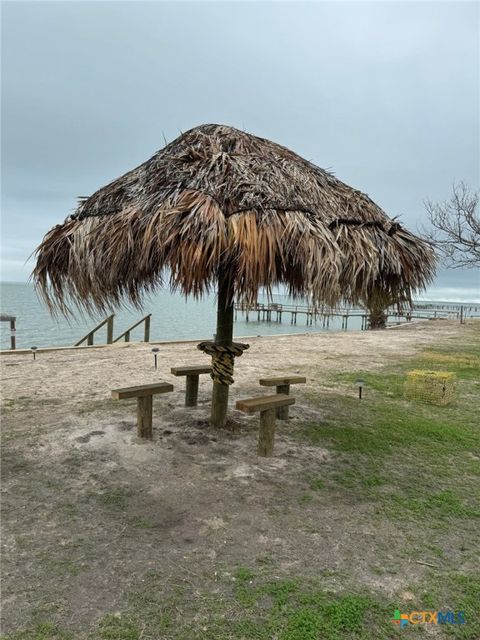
(78,483)
(90,373)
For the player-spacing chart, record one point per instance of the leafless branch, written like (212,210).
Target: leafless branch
(455,227)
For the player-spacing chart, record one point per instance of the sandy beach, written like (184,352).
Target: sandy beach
(90,512)
(79,376)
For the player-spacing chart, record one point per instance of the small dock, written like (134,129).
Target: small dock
(278,312)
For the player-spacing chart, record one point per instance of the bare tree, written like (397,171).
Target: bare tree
(455,227)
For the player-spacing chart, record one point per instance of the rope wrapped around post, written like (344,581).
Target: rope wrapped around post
(222,359)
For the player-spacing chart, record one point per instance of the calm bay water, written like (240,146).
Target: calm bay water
(173,318)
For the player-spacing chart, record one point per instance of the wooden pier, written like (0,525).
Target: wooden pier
(275,312)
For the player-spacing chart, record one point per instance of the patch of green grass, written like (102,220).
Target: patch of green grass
(435,550)
(41,631)
(434,506)
(347,613)
(243,574)
(117,627)
(460,357)
(358,477)
(380,428)
(256,607)
(290,609)
(115,498)
(316,484)
(458,592)
(142,523)
(390,384)
(60,566)
(299,610)
(280,590)
(8,404)
(413,461)
(305,498)
(372,480)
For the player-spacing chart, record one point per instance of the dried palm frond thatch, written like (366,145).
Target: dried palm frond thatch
(218,200)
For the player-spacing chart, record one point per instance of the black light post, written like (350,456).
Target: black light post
(360,384)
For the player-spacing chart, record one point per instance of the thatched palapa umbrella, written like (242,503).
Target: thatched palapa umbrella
(219,208)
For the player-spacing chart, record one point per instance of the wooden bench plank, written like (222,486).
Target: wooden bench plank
(141,391)
(192,374)
(275,382)
(251,405)
(190,371)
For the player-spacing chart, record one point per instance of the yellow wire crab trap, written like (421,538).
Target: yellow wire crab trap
(433,387)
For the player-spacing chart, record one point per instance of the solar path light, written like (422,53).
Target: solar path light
(360,384)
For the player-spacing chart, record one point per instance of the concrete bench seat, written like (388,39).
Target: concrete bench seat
(282,383)
(192,373)
(144,394)
(266,405)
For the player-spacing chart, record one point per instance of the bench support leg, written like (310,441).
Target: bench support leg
(144,417)
(266,434)
(191,394)
(282,412)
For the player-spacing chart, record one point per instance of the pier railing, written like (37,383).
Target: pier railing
(273,312)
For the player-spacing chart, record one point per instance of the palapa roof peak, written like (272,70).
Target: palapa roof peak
(218,199)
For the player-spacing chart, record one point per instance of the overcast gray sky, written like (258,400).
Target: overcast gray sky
(385,94)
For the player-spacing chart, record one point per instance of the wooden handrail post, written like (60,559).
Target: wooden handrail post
(11,320)
(13,342)
(126,334)
(146,335)
(90,335)
(110,330)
